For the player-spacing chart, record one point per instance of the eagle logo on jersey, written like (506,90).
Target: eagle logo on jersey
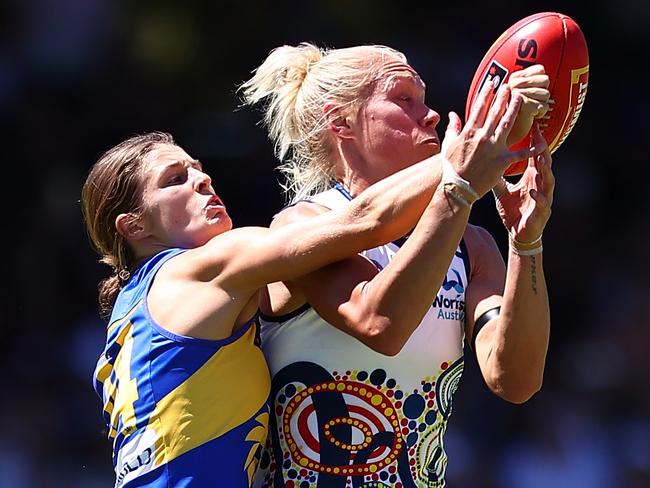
(257,435)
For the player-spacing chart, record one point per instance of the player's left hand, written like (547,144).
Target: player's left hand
(525,206)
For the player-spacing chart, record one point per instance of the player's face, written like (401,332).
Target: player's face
(181,207)
(395,128)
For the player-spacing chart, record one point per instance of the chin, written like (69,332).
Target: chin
(431,150)
(220,224)
(216,227)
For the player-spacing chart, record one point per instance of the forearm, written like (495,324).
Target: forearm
(394,205)
(383,212)
(396,299)
(514,364)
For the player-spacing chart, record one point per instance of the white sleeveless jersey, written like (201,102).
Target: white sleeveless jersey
(344,415)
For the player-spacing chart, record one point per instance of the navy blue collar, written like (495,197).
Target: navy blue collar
(343,191)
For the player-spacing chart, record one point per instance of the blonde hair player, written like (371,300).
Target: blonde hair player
(183,382)
(365,354)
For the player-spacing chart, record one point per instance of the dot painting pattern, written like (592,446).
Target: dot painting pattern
(362,428)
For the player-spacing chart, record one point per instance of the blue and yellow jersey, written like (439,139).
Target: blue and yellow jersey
(180,411)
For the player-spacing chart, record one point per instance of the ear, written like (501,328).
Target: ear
(337,122)
(130,227)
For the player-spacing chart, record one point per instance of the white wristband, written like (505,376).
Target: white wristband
(451,189)
(523,244)
(521,249)
(449,175)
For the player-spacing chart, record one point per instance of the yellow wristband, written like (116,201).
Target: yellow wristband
(526,248)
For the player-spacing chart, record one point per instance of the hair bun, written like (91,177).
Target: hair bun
(298,60)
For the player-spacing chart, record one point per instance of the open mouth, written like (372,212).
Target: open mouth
(215,201)
(214,205)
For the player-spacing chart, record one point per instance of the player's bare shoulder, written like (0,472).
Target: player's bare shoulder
(482,248)
(475,236)
(220,256)
(299,211)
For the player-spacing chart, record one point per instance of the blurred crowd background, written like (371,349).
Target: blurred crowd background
(78,76)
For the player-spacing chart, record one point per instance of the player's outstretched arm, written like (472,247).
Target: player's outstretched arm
(511,348)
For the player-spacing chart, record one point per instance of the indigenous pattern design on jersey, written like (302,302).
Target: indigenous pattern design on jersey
(180,411)
(345,416)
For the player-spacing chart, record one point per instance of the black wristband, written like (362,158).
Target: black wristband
(481,321)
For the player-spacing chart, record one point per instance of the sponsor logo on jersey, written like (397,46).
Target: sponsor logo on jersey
(132,465)
(450,308)
(135,458)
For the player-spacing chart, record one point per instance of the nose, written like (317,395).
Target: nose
(430,119)
(202,182)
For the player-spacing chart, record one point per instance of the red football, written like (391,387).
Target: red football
(555,41)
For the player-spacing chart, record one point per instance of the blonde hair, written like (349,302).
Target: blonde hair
(294,83)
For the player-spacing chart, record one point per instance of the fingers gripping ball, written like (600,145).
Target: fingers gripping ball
(555,41)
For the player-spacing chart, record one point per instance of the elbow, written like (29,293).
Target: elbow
(519,396)
(516,391)
(389,350)
(380,336)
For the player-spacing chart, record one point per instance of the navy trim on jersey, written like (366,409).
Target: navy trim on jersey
(283,318)
(464,255)
(400,242)
(343,191)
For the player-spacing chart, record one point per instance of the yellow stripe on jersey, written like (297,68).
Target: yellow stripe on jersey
(202,408)
(104,371)
(103,374)
(127,393)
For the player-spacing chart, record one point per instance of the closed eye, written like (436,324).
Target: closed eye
(410,96)
(176,179)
